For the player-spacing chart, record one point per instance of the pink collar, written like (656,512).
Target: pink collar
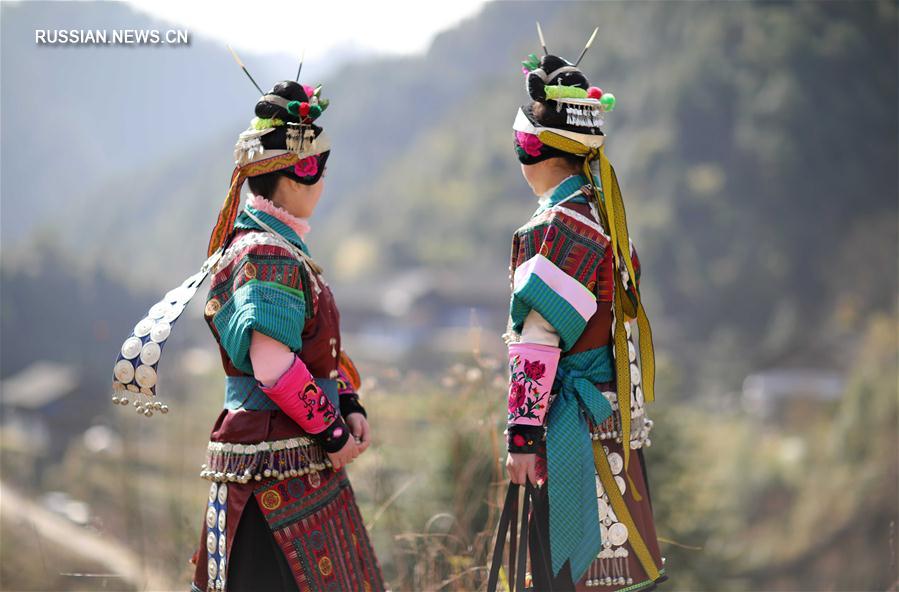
(297,224)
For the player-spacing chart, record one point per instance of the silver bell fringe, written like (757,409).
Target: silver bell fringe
(227,462)
(612,569)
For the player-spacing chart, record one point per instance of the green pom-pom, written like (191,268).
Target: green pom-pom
(315,111)
(293,107)
(564,92)
(607,100)
(323,103)
(532,63)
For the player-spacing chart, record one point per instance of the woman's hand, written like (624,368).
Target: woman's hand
(521,467)
(359,428)
(345,455)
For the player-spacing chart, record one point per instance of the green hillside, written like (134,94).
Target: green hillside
(756,145)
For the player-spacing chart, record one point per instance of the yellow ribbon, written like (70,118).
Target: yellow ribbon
(228,212)
(614,219)
(620,508)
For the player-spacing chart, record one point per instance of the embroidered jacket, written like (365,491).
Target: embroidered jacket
(561,268)
(260,285)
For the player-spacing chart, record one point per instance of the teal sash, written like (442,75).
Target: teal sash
(573,516)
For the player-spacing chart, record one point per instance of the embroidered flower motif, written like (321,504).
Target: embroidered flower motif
(534,370)
(517,394)
(530,143)
(307,167)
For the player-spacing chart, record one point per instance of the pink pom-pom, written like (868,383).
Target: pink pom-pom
(594,92)
(524,70)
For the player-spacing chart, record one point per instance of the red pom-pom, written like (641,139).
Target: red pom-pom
(304,108)
(518,440)
(594,92)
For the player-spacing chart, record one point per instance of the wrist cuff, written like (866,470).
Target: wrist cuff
(524,439)
(333,437)
(349,403)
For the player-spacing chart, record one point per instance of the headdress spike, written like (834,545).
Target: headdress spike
(244,68)
(542,40)
(300,68)
(586,47)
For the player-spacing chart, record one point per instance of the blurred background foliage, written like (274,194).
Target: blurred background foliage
(756,145)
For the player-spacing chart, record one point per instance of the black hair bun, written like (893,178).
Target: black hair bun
(287,89)
(290,91)
(549,64)
(535,87)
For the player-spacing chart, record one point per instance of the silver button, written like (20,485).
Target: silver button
(603,509)
(618,534)
(222,520)
(223,493)
(185,295)
(173,313)
(635,374)
(150,353)
(131,348)
(158,310)
(213,491)
(621,484)
(210,517)
(124,371)
(142,328)
(179,294)
(160,331)
(211,542)
(212,568)
(616,463)
(145,376)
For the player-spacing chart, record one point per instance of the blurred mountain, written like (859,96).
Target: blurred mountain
(77,115)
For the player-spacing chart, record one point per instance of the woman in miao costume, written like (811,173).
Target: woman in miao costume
(579,380)
(281,514)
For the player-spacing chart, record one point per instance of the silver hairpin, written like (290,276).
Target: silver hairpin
(244,68)
(300,68)
(542,41)
(589,43)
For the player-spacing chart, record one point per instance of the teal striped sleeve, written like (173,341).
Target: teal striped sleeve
(553,265)
(269,307)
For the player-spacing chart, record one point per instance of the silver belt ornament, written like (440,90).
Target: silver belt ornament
(136,371)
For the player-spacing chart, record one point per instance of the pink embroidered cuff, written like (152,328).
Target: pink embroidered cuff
(532,369)
(300,398)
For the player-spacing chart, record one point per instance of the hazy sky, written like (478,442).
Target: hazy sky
(382,26)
